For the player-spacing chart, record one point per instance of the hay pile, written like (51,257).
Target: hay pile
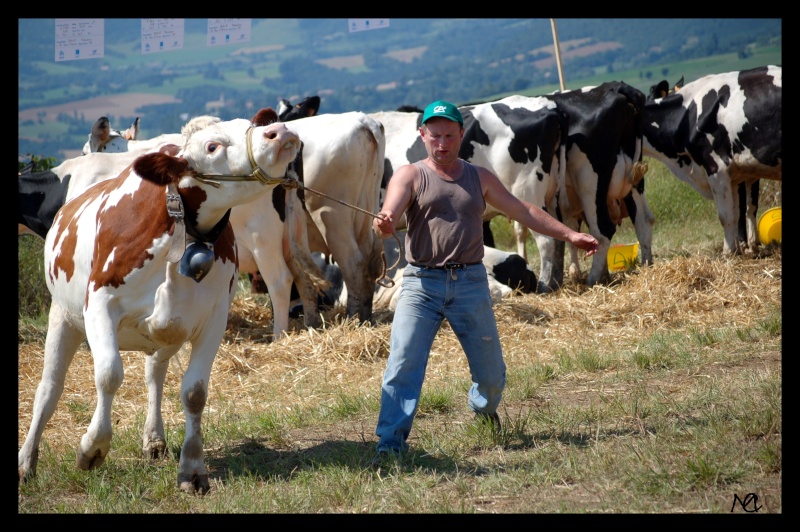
(312,368)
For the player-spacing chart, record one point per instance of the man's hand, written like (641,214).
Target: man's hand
(383,224)
(586,242)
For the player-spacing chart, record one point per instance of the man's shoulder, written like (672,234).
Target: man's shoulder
(481,170)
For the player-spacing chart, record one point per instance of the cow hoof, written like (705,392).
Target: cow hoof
(198,484)
(27,466)
(87,462)
(155,449)
(25,475)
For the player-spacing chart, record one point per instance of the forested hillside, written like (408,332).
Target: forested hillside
(410,62)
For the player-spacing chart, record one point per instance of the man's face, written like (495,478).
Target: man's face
(442,139)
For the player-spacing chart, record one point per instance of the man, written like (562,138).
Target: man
(443,198)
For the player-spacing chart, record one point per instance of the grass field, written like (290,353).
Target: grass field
(660,393)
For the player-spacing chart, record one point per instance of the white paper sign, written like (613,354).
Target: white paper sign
(161,34)
(361,24)
(228,31)
(79,38)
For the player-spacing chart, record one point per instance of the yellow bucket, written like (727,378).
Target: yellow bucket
(769,226)
(621,256)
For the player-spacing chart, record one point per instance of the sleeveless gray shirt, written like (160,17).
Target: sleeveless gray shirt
(445,219)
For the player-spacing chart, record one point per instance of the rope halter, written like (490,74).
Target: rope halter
(256,175)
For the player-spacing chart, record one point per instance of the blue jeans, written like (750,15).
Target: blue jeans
(426,298)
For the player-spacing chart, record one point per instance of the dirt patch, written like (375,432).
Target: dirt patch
(569,49)
(407,55)
(343,62)
(259,49)
(581,51)
(93,108)
(354,61)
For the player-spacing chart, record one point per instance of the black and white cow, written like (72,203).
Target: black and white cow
(605,173)
(309,106)
(520,139)
(718,133)
(748,195)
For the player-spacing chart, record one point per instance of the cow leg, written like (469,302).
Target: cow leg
(359,284)
(726,198)
(643,220)
(278,278)
(262,251)
(359,260)
(154,443)
(752,208)
(521,236)
(748,207)
(60,346)
(192,472)
(101,333)
(602,228)
(551,267)
(574,260)
(308,277)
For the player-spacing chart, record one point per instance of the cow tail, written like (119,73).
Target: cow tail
(637,100)
(296,254)
(563,200)
(377,260)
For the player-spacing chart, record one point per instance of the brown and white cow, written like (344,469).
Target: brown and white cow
(272,240)
(717,133)
(146,261)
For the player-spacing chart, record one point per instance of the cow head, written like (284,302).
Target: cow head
(662,89)
(308,107)
(222,164)
(104,139)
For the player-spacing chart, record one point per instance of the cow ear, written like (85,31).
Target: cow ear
(265,117)
(160,168)
(678,85)
(133,131)
(313,105)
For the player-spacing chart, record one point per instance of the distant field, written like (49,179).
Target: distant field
(119,105)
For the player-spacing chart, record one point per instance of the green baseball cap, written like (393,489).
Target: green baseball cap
(444,109)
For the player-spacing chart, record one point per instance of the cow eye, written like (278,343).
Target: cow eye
(212,146)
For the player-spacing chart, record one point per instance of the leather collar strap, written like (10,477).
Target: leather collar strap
(176,212)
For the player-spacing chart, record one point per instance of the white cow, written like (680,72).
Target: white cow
(343,157)
(104,139)
(146,261)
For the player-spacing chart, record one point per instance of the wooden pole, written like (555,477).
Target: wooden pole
(558,54)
